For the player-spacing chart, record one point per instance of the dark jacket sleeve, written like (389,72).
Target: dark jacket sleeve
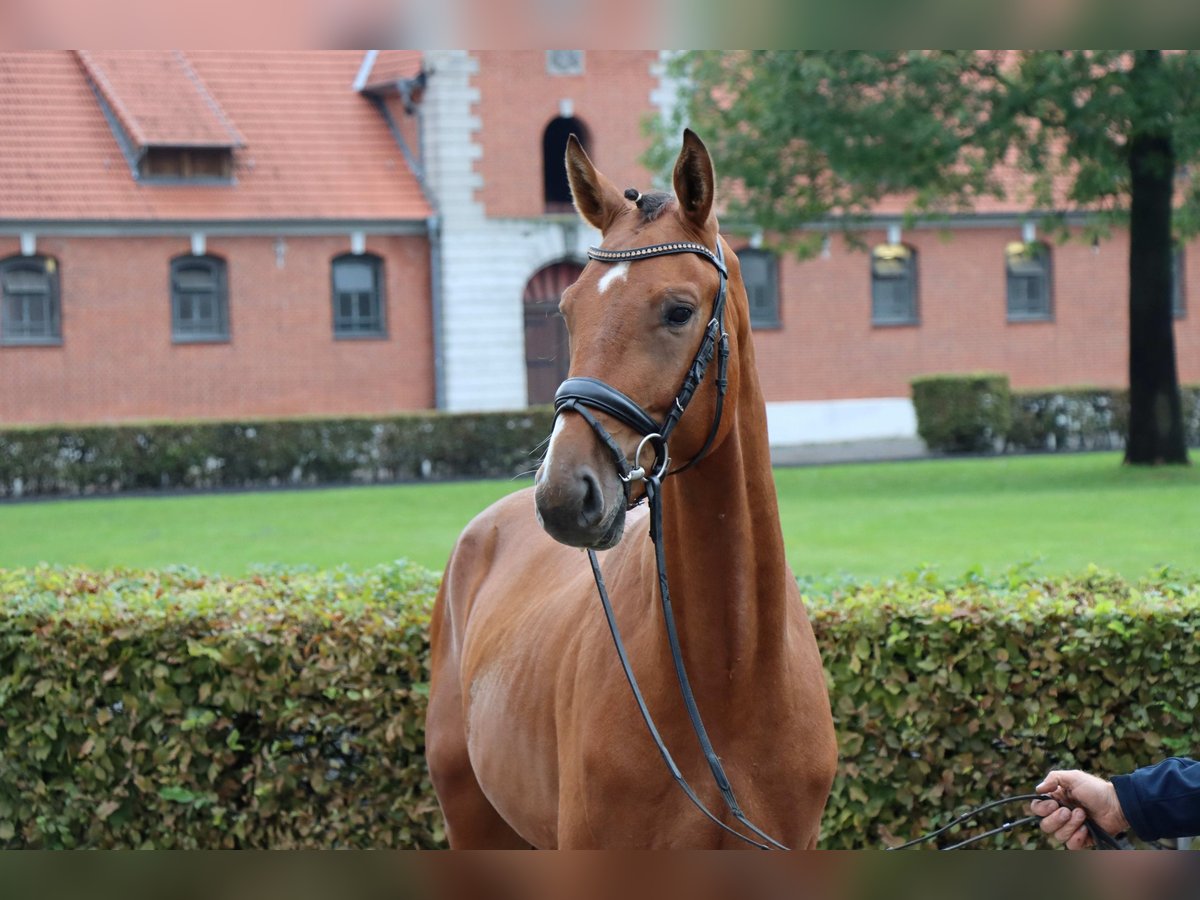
(1162,801)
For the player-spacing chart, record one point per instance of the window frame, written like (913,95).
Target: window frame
(1046,276)
(48,267)
(151,163)
(218,268)
(773,320)
(911,275)
(379,298)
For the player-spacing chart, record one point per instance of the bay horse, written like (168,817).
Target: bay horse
(533,738)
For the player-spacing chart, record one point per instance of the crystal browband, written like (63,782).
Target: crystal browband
(633,253)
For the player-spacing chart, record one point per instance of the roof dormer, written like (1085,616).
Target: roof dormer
(168,124)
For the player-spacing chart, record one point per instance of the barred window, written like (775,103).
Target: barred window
(760,273)
(30,313)
(199,299)
(358,296)
(1029,283)
(893,285)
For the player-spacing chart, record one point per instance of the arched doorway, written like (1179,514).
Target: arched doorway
(547,351)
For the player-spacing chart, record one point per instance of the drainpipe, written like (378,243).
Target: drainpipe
(433,228)
(433,224)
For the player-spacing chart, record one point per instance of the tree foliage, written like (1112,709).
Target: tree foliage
(806,137)
(803,136)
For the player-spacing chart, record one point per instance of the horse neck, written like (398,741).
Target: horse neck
(724,549)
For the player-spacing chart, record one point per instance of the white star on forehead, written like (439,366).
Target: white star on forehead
(616,273)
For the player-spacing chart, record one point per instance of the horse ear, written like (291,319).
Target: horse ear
(694,179)
(596,198)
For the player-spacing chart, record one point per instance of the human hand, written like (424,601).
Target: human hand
(1078,796)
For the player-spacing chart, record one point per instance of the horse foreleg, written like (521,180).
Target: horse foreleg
(472,823)
(471,820)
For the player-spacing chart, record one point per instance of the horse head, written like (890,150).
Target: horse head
(635,326)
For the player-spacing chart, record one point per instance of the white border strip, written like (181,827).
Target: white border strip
(833,421)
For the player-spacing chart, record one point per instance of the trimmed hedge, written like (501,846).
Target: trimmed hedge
(287,710)
(172,710)
(947,698)
(962,413)
(1086,418)
(67,460)
(1069,419)
(1078,418)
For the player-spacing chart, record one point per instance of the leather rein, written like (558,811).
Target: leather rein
(1102,839)
(581,395)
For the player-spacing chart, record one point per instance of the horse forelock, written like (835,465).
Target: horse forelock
(653,204)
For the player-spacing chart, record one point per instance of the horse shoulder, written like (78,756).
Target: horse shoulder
(473,557)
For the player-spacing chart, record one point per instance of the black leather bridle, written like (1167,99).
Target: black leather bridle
(582,395)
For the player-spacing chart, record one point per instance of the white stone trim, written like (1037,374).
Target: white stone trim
(450,136)
(485,270)
(666,92)
(831,421)
(664,97)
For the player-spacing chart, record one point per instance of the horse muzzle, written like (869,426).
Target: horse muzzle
(578,495)
(577,513)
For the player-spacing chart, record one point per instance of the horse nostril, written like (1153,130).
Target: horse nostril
(591,508)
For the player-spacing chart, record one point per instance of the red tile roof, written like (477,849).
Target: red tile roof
(159,99)
(313,148)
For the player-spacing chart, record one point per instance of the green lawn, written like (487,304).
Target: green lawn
(871,521)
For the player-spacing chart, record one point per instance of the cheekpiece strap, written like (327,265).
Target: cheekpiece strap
(617,256)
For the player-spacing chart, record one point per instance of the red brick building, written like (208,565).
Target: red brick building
(390,231)
(209,235)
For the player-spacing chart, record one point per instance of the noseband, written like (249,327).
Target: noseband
(582,394)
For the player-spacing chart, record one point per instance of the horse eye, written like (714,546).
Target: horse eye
(679,315)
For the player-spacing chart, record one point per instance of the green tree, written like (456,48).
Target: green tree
(821,136)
